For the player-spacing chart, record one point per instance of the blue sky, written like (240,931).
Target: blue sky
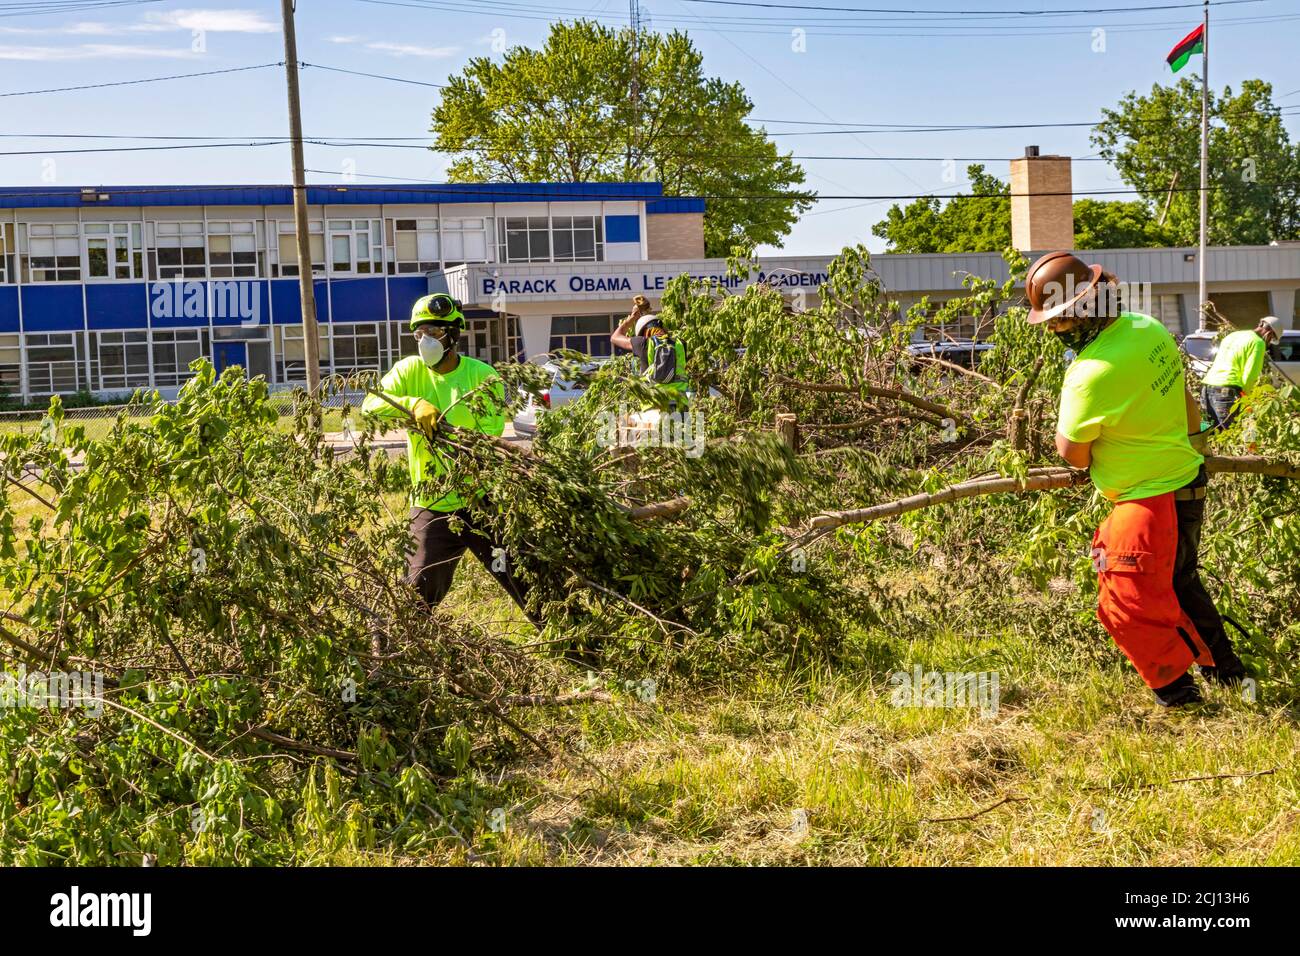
(899,68)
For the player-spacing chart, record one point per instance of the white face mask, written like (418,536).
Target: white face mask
(431,350)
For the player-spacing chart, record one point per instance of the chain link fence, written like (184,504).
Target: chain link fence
(341,411)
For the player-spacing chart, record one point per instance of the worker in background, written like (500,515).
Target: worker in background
(661,357)
(437,384)
(1237,366)
(1127,416)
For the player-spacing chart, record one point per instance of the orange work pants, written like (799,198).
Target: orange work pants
(1134,552)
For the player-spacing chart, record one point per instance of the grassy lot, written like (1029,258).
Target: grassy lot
(98,422)
(1077,767)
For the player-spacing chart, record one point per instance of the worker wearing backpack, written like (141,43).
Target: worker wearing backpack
(661,357)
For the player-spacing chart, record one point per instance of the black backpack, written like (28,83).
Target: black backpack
(662,365)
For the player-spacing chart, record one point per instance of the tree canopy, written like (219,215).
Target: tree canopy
(1254,166)
(1255,177)
(976,222)
(564,113)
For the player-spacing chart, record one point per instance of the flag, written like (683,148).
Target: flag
(1194,42)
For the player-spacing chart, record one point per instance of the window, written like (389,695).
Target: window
(11,366)
(291,352)
(173,351)
(514,341)
(582,333)
(53,252)
(355,246)
(415,245)
(232,249)
(113,250)
(52,363)
(464,240)
(7,252)
(578,238)
(356,348)
(121,360)
(403,341)
(524,239)
(288,248)
(180,253)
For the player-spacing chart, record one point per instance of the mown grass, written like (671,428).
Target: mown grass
(1078,766)
(99,423)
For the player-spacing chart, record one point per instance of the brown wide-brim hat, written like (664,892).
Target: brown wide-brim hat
(1054,271)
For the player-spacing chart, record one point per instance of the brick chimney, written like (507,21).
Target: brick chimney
(1042,209)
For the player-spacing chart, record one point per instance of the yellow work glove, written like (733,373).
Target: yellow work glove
(426,415)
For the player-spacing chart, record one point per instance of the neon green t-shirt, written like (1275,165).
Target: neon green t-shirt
(1125,394)
(1239,360)
(411,379)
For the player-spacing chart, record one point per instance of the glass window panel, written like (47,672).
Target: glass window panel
(97,257)
(341,253)
(564,246)
(516,246)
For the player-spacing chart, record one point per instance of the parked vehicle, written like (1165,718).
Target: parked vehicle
(1284,356)
(561,391)
(960,352)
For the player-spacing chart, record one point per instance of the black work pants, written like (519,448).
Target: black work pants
(1220,403)
(431,564)
(1192,596)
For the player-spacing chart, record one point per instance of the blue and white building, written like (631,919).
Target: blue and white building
(109,289)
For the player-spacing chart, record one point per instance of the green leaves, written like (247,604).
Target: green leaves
(1253,164)
(562,114)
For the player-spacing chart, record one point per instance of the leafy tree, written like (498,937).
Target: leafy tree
(1117,225)
(972,223)
(564,114)
(976,222)
(1254,167)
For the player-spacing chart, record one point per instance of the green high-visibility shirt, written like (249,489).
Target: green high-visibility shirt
(1239,361)
(1125,393)
(409,380)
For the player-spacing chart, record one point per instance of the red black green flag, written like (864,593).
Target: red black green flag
(1194,42)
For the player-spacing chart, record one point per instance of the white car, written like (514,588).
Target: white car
(958,352)
(561,391)
(1283,356)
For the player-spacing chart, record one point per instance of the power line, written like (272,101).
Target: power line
(373,76)
(40,9)
(344,141)
(152,79)
(173,137)
(140,149)
(926,27)
(460,192)
(1023,13)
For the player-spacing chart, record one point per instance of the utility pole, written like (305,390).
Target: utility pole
(634,17)
(1203,298)
(307,291)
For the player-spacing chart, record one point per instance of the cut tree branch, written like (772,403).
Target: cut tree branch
(877,391)
(1037,479)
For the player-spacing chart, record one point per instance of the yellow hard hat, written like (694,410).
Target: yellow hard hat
(439,307)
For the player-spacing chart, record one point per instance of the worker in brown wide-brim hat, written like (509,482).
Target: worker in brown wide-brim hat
(1127,416)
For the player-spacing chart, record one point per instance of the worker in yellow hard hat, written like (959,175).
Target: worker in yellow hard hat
(1240,359)
(438,384)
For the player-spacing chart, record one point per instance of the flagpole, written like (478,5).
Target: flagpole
(1205,164)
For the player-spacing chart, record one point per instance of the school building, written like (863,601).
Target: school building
(109,289)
